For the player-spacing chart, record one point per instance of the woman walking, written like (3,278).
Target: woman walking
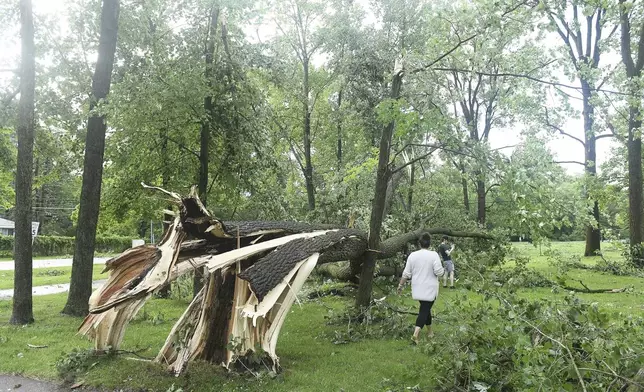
(423,269)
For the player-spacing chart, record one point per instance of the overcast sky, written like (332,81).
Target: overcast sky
(564,148)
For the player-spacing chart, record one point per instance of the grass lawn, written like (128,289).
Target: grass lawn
(310,360)
(629,302)
(48,276)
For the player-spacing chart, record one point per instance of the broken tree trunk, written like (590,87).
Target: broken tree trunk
(253,272)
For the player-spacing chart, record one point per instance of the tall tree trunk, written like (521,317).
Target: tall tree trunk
(22,302)
(80,288)
(339,129)
(635,202)
(206,126)
(81,279)
(308,169)
(593,235)
(634,142)
(466,195)
(363,296)
(392,186)
(410,192)
(481,198)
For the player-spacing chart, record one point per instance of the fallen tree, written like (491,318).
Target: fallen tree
(252,271)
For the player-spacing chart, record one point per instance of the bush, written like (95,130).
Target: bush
(58,246)
(70,366)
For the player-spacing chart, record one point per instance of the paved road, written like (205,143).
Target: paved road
(16,383)
(48,263)
(22,384)
(46,290)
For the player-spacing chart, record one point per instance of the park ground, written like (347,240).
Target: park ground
(310,356)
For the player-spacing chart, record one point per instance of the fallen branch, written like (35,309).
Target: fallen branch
(588,290)
(36,346)
(572,358)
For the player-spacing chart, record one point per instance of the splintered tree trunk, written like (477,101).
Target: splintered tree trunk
(206,126)
(252,282)
(165,181)
(593,235)
(81,281)
(22,302)
(219,305)
(363,296)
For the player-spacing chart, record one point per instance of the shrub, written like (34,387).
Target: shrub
(70,366)
(518,345)
(58,246)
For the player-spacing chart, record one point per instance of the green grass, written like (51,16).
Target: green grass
(629,302)
(48,276)
(310,360)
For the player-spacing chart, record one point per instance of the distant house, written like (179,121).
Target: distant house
(6,227)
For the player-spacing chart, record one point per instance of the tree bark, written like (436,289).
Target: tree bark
(466,196)
(480,197)
(308,169)
(363,296)
(593,235)
(635,202)
(22,312)
(410,192)
(339,129)
(634,141)
(82,266)
(206,126)
(392,186)
(635,176)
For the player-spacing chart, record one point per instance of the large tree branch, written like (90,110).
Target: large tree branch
(391,246)
(411,162)
(564,36)
(625,41)
(524,76)
(561,131)
(575,162)
(598,36)
(577,26)
(607,135)
(433,147)
(181,146)
(640,51)
(441,57)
